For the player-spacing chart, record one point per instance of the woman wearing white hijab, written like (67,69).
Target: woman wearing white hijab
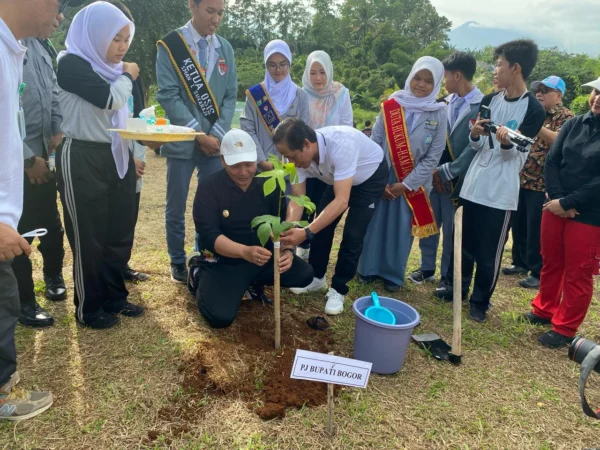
(390,235)
(286,100)
(330,105)
(96,172)
(329,100)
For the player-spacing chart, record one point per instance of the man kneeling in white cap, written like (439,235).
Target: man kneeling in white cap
(233,261)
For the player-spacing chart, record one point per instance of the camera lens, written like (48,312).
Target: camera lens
(580,348)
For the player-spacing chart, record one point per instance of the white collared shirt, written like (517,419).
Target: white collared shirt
(214,43)
(12,55)
(344,152)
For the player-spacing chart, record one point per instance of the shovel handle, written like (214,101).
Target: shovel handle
(457,284)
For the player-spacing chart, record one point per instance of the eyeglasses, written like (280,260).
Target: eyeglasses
(281,66)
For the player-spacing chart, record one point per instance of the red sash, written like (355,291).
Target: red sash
(423,221)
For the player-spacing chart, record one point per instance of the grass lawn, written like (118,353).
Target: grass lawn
(168,381)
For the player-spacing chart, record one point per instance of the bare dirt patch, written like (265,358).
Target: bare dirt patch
(241,361)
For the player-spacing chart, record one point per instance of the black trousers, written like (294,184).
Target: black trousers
(314,190)
(99,210)
(526,231)
(485,232)
(363,200)
(9,316)
(222,286)
(136,214)
(40,210)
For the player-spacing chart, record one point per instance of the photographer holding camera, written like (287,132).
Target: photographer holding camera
(491,187)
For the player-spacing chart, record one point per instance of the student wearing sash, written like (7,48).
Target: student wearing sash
(490,191)
(330,105)
(95,168)
(356,172)
(270,102)
(411,129)
(197,88)
(463,106)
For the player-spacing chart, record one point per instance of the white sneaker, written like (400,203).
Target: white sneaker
(303,253)
(318,284)
(335,303)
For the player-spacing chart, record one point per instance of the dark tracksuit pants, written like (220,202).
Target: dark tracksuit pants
(222,286)
(9,316)
(485,232)
(526,231)
(99,210)
(363,199)
(314,190)
(40,210)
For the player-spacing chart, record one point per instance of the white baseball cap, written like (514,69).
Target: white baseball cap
(594,84)
(237,146)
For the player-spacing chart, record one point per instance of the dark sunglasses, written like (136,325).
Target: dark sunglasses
(544,90)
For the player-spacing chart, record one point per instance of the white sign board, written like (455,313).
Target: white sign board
(313,366)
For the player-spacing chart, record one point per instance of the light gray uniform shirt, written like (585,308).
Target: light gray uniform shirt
(43,118)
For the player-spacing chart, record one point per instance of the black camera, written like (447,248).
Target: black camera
(516,138)
(580,348)
(586,353)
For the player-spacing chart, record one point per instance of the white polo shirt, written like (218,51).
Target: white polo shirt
(344,152)
(12,54)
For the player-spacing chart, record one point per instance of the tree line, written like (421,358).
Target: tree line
(373,43)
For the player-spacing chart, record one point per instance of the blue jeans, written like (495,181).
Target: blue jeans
(443,210)
(179,174)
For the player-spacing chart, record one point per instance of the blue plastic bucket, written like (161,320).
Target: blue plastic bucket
(383,345)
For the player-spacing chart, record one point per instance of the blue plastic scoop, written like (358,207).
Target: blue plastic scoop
(378,313)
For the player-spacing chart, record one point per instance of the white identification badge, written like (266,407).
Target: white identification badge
(21,122)
(486,157)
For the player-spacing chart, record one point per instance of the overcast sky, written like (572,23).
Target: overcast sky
(573,23)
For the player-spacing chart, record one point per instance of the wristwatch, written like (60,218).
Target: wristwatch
(29,162)
(309,234)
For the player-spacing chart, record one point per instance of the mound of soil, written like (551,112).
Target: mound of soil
(242,361)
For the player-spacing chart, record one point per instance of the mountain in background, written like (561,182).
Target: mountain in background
(472,36)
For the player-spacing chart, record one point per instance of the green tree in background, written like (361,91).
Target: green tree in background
(373,43)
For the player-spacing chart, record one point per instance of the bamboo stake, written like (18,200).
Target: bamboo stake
(457,290)
(277,289)
(330,407)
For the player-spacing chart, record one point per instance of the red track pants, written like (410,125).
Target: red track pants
(571,255)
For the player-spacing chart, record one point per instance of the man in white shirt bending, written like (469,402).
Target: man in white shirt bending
(356,171)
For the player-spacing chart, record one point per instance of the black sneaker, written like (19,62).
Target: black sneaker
(192,264)
(530,282)
(135,276)
(365,280)
(179,273)
(476,314)
(390,287)
(421,276)
(55,288)
(102,322)
(35,317)
(534,319)
(444,282)
(127,310)
(552,339)
(257,292)
(446,293)
(514,270)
